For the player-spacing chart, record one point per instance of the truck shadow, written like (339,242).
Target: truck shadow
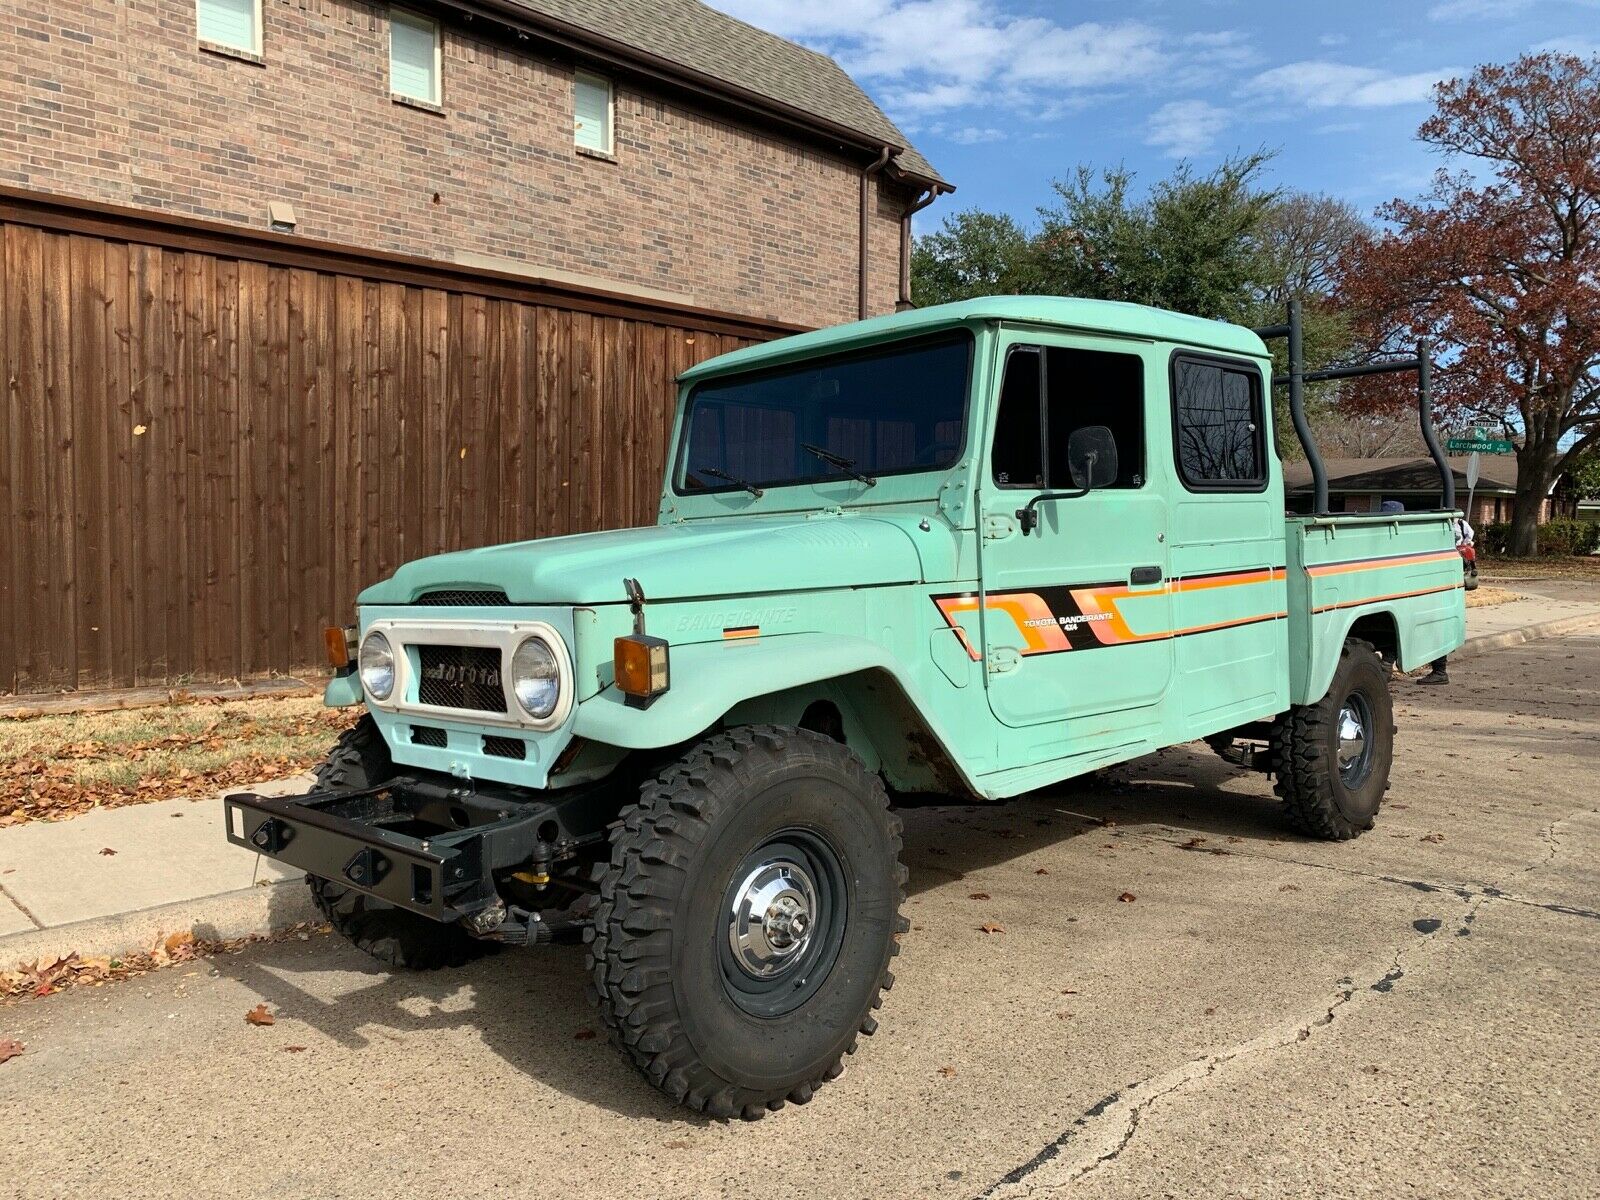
(530,1007)
(527,1007)
(1182,792)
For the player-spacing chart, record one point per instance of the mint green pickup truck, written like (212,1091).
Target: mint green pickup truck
(963,552)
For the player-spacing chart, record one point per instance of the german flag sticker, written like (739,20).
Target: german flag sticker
(736,632)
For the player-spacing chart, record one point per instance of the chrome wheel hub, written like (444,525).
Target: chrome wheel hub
(771,918)
(1354,750)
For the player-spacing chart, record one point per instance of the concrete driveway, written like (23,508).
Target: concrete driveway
(1416,1013)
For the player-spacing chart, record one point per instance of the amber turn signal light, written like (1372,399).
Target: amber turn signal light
(641,667)
(341,644)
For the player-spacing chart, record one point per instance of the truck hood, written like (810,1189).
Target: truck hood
(725,557)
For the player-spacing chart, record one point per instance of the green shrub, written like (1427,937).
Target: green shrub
(1564,536)
(1558,538)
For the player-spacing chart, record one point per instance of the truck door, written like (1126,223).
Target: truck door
(1227,545)
(1075,613)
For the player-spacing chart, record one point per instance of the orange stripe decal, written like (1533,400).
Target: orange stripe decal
(736,632)
(1081,617)
(1376,564)
(1453,587)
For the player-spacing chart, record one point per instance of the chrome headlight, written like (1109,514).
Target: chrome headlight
(536,678)
(377,666)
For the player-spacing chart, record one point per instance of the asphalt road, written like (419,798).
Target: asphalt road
(1416,1013)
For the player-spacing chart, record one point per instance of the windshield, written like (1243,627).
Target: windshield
(892,410)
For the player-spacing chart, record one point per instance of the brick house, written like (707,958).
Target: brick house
(293,290)
(1361,485)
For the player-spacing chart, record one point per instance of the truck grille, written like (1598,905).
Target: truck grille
(460,677)
(463,599)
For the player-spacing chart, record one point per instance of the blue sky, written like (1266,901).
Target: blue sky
(1006,95)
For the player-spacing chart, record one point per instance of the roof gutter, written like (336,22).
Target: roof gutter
(597,47)
(929,194)
(867,172)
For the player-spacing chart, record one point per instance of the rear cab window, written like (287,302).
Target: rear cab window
(1218,424)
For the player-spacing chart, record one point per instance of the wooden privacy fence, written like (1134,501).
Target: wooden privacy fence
(212,439)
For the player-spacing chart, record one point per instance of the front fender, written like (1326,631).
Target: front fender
(709,678)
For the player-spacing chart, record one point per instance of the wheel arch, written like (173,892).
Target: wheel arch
(870,712)
(848,688)
(1379,626)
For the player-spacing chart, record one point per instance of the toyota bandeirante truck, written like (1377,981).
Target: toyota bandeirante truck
(963,553)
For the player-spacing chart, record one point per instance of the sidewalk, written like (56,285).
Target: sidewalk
(1503,625)
(173,870)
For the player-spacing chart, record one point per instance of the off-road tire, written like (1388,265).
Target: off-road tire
(360,759)
(1304,747)
(656,946)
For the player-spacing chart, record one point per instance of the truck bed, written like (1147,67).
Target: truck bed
(1393,578)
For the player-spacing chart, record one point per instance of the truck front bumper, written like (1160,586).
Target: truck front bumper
(426,845)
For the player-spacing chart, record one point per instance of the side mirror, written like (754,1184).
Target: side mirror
(1092,463)
(1092,457)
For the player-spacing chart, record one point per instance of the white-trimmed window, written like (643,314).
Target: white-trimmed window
(593,107)
(416,57)
(235,24)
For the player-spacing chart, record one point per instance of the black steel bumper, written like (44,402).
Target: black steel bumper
(422,845)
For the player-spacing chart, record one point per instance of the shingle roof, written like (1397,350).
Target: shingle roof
(714,44)
(1496,473)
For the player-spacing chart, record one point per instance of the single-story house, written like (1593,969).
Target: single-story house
(1362,485)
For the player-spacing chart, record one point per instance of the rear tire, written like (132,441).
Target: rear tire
(397,938)
(747,920)
(1332,759)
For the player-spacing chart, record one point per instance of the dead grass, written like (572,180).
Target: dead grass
(57,766)
(1486,597)
(1565,567)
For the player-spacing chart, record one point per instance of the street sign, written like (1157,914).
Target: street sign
(1473,466)
(1486,445)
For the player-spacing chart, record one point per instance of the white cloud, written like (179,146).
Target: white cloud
(923,57)
(1583,47)
(1494,10)
(972,135)
(1320,84)
(1185,128)
(1477,10)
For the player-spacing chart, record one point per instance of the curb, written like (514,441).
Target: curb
(1507,638)
(259,910)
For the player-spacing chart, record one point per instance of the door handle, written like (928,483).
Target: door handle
(1142,575)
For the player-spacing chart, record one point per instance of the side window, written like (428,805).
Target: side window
(1051,392)
(235,24)
(592,112)
(1217,426)
(415,52)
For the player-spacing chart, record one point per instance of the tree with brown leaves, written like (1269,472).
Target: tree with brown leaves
(1499,264)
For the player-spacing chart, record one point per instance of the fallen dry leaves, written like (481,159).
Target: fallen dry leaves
(978,896)
(49,779)
(948,1072)
(10,1048)
(260,1015)
(45,979)
(1127,897)
(991,927)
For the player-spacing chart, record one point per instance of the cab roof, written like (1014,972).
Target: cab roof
(1063,312)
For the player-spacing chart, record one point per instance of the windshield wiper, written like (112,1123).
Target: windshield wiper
(733,479)
(847,465)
